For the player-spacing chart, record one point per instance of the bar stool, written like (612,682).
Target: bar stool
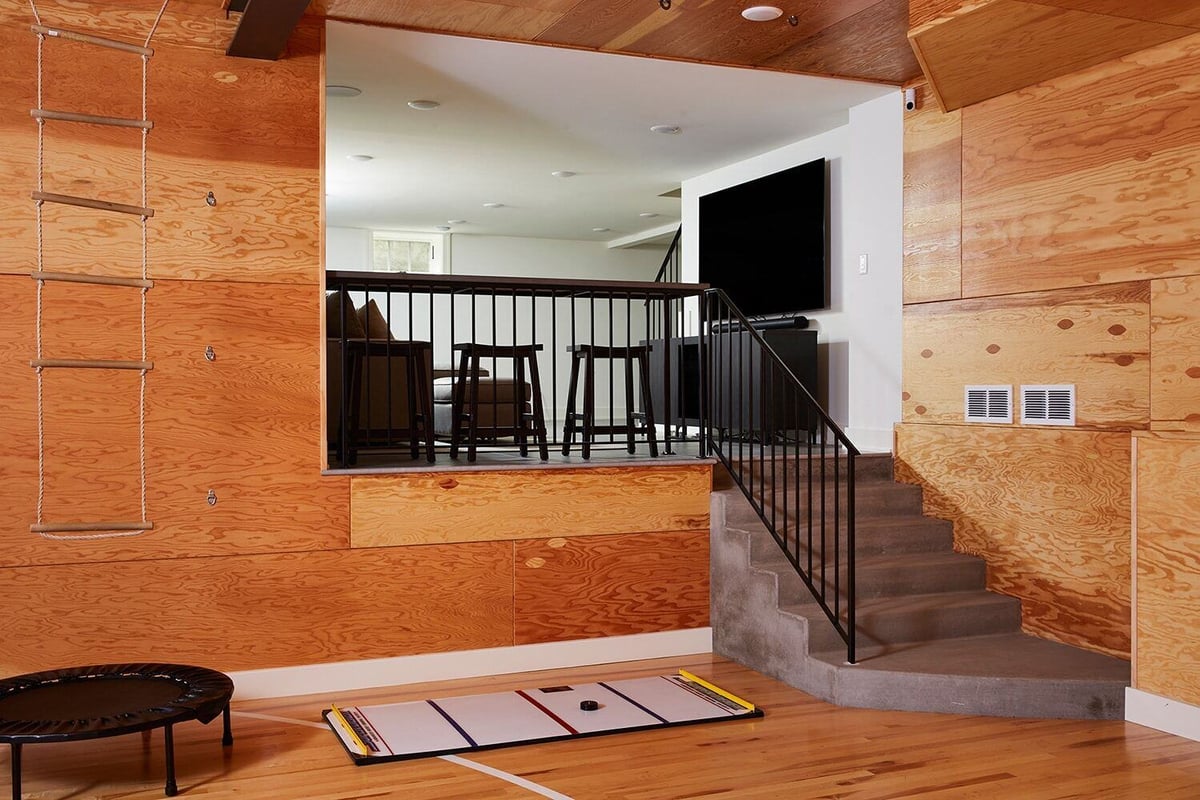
(587,355)
(465,408)
(380,428)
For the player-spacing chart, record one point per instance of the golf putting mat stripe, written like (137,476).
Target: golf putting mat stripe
(461,724)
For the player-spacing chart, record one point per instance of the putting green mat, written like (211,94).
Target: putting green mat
(445,725)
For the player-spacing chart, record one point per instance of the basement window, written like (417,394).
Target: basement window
(400,251)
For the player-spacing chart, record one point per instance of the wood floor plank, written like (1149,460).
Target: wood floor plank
(802,748)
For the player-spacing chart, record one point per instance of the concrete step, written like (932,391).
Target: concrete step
(889,575)
(871,466)
(1009,675)
(892,620)
(871,499)
(889,535)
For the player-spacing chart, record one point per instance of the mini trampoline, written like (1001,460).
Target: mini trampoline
(93,702)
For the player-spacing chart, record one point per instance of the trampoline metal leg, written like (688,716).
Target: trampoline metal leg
(227,738)
(16,770)
(169,739)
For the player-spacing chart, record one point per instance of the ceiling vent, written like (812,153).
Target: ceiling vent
(988,404)
(1048,405)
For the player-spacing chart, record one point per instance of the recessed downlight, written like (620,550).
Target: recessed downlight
(493,205)
(669,130)
(762,13)
(457,221)
(341,90)
(360,157)
(563,173)
(423,105)
(441,227)
(601,230)
(648,214)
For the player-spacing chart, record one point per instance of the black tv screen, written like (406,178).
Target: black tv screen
(764,242)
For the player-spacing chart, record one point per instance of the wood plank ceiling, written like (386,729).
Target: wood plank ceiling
(862,39)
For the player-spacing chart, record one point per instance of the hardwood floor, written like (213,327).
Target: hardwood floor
(802,749)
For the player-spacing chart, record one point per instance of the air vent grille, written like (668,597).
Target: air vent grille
(1048,405)
(988,404)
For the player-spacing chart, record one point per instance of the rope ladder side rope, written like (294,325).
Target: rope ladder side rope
(107,529)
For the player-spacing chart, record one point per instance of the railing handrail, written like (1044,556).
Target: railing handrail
(543,287)
(666,262)
(748,327)
(767,361)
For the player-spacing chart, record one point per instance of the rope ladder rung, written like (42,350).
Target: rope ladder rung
(85,363)
(82,527)
(99,280)
(90,119)
(87,202)
(87,38)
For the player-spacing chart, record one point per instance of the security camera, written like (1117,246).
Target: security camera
(910,99)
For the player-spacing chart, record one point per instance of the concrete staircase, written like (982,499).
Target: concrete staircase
(930,636)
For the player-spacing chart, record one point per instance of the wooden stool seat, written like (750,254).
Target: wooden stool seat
(585,420)
(467,406)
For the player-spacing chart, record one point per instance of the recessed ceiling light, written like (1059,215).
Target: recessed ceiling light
(667,129)
(338,90)
(493,205)
(360,157)
(423,105)
(442,227)
(563,173)
(648,214)
(601,230)
(457,221)
(762,13)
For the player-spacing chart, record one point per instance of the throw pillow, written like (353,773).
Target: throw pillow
(370,318)
(334,317)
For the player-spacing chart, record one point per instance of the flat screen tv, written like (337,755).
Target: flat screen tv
(764,242)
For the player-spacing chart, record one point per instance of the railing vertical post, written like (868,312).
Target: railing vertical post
(703,368)
(851,656)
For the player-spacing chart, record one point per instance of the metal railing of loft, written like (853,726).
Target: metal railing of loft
(441,311)
(791,460)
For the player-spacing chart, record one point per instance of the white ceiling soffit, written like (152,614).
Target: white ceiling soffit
(511,114)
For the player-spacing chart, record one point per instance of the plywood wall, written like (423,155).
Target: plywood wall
(1168,566)
(275,573)
(1048,510)
(1080,251)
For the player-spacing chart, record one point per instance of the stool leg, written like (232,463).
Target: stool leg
(589,404)
(569,422)
(171,788)
(473,414)
(518,406)
(648,405)
(16,770)
(629,426)
(539,414)
(227,734)
(456,405)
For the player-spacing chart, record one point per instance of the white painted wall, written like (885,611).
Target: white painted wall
(551,258)
(860,334)
(347,248)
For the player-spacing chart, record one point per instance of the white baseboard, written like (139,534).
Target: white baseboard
(347,676)
(1162,713)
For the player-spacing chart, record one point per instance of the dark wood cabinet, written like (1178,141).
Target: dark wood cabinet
(748,395)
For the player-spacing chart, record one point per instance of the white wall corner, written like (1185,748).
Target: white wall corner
(348,676)
(1162,714)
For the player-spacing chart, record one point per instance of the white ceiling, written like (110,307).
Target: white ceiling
(513,113)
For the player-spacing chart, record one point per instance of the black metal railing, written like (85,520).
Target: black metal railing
(791,460)
(379,404)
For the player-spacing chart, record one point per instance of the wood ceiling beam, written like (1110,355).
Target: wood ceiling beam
(265,27)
